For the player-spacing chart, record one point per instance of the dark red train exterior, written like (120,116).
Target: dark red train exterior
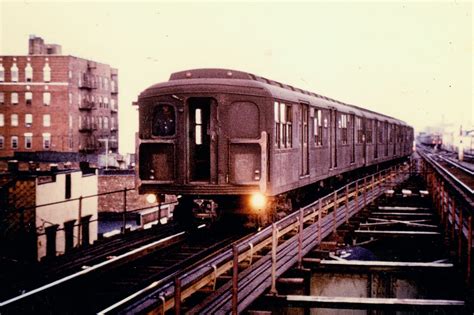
(214,132)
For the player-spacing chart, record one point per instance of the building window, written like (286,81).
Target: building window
(28,120)
(106,123)
(70,74)
(70,121)
(28,73)
(343,127)
(112,123)
(112,104)
(70,98)
(2,73)
(106,102)
(14,142)
(14,98)
(112,85)
(100,122)
(318,127)
(14,119)
(28,140)
(46,73)
(2,142)
(46,141)
(70,142)
(106,83)
(14,73)
(28,98)
(2,120)
(46,120)
(46,98)
(2,98)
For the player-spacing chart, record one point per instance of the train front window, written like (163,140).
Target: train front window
(164,121)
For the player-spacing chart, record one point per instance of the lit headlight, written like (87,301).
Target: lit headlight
(258,201)
(151,198)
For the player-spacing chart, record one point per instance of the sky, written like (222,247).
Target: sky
(410,60)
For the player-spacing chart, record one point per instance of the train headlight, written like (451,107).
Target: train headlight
(151,198)
(258,201)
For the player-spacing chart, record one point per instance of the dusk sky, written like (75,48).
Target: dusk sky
(410,60)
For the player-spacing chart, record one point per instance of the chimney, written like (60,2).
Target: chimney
(36,46)
(32,166)
(53,167)
(13,166)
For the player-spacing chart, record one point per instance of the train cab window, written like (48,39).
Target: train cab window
(164,121)
(318,127)
(360,135)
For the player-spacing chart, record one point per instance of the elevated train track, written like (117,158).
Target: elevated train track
(97,286)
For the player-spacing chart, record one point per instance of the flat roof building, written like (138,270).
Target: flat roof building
(56,106)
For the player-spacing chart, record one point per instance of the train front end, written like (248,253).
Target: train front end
(202,137)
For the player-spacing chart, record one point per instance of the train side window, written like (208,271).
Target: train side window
(289,127)
(283,125)
(368,131)
(164,121)
(360,135)
(343,127)
(277,123)
(318,128)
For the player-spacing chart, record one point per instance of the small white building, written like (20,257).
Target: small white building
(56,209)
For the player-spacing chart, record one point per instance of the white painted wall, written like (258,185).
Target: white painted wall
(62,212)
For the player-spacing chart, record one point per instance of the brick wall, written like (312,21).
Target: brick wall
(114,202)
(17,220)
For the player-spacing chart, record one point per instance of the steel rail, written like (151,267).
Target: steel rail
(287,253)
(162,292)
(458,181)
(113,262)
(461,167)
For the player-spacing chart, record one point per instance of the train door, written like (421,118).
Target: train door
(353,140)
(200,126)
(304,136)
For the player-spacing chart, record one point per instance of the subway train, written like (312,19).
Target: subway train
(431,139)
(237,142)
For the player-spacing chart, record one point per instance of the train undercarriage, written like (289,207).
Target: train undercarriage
(251,213)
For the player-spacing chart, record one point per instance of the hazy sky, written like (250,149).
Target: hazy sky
(410,60)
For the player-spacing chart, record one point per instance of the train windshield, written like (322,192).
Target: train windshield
(164,121)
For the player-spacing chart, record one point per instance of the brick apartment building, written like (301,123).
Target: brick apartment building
(56,107)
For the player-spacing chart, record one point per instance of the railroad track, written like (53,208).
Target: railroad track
(61,266)
(212,274)
(462,175)
(98,286)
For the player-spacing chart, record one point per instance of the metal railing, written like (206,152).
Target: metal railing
(455,208)
(321,218)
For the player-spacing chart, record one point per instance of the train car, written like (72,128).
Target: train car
(431,139)
(248,143)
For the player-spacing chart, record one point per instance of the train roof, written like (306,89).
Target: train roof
(274,88)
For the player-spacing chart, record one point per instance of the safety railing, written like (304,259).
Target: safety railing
(455,208)
(312,223)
